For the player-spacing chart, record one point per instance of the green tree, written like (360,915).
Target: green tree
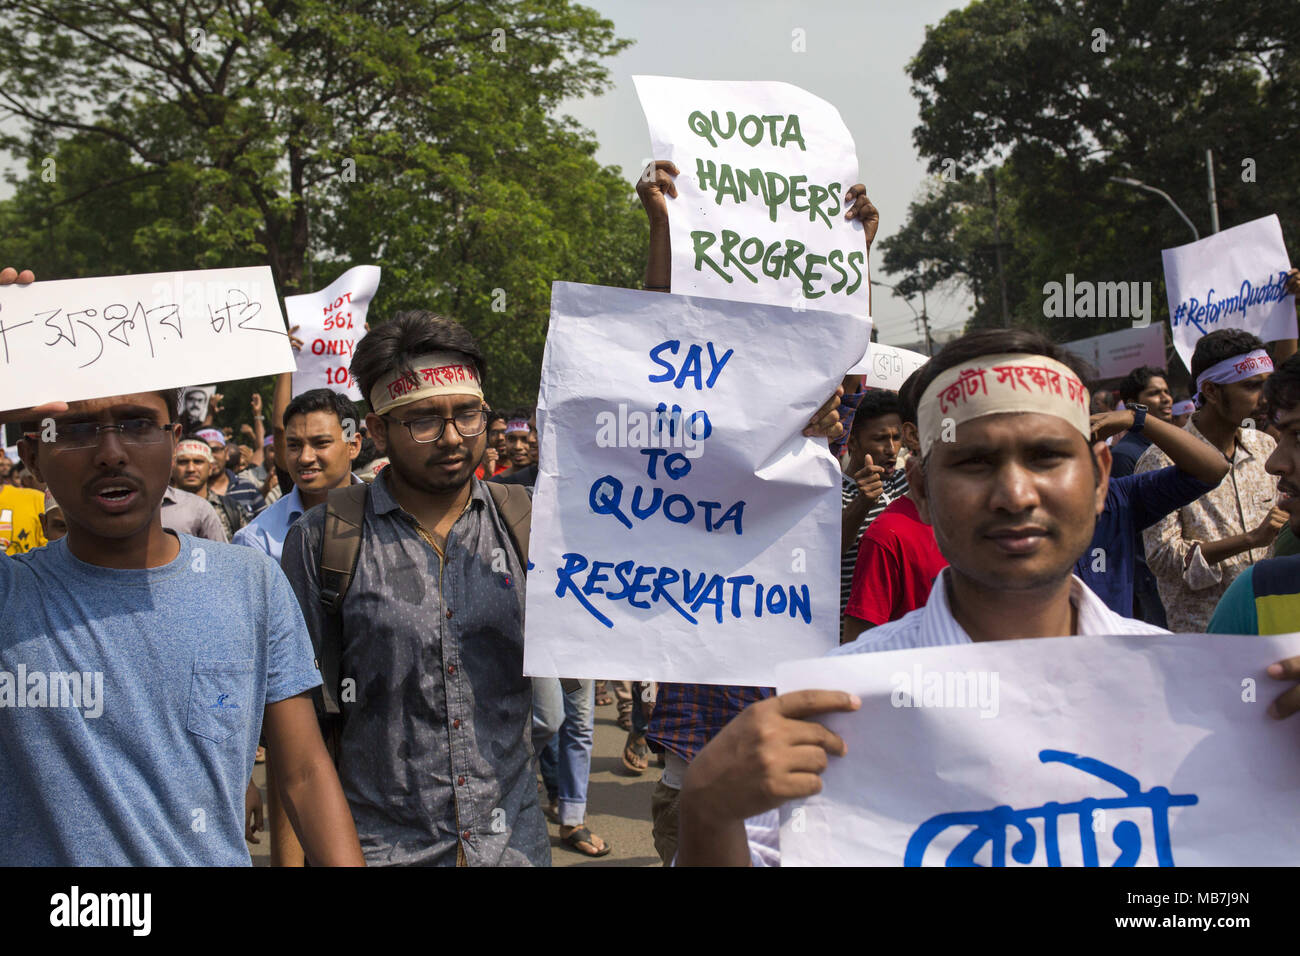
(1060,95)
(310,135)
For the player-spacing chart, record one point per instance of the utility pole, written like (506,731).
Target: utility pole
(997,246)
(1214,202)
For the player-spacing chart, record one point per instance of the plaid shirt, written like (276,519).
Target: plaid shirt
(688,716)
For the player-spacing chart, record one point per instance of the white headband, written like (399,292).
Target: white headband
(1183,408)
(194,446)
(438,373)
(1233,370)
(994,384)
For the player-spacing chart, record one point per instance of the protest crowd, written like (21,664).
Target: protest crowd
(336,589)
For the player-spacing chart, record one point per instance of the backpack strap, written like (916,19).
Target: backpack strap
(234,516)
(515,506)
(340,546)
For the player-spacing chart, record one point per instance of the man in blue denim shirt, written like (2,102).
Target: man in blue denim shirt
(434,753)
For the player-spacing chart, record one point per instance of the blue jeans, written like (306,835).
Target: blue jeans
(639,707)
(548,712)
(566,760)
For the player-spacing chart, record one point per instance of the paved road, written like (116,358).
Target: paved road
(618,806)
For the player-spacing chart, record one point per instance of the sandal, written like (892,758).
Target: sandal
(603,697)
(636,754)
(625,714)
(583,835)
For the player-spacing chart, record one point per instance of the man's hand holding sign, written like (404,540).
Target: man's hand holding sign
(1012,498)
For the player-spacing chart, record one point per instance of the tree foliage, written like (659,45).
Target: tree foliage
(312,135)
(1060,95)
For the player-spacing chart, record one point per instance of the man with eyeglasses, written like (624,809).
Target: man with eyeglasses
(144,757)
(433,754)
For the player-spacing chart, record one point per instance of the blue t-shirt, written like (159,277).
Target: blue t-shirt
(1124,454)
(1133,503)
(146,758)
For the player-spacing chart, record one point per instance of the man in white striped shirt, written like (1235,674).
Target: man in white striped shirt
(1012,482)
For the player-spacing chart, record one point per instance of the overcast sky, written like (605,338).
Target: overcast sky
(855,59)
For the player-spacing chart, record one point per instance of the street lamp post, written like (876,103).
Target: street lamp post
(1138,184)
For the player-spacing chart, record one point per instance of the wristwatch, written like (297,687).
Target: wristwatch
(1139,417)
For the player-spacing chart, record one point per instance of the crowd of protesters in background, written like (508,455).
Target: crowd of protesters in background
(399,728)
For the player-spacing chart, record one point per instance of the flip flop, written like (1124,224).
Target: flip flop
(583,835)
(636,754)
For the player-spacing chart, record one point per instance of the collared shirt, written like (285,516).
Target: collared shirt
(435,752)
(895,484)
(935,626)
(268,530)
(1190,588)
(187,513)
(688,716)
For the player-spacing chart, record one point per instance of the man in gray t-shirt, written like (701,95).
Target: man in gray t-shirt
(128,723)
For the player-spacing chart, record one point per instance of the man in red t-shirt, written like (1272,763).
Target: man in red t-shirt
(898,558)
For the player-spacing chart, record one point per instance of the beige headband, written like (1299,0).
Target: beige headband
(994,384)
(194,446)
(438,373)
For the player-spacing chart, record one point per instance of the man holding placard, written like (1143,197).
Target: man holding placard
(152,732)
(1012,483)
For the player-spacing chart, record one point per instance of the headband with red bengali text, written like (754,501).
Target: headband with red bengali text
(192,446)
(997,384)
(1233,370)
(438,373)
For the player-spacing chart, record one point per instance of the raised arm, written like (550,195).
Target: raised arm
(656,183)
(1197,458)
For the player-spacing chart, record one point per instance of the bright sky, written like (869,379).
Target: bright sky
(856,53)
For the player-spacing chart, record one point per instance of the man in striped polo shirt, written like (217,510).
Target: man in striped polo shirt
(1012,483)
(871,480)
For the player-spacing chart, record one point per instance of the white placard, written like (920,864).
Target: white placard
(330,323)
(886,366)
(75,339)
(679,419)
(1233,279)
(759,214)
(967,754)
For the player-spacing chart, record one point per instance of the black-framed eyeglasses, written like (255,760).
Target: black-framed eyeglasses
(428,428)
(82,435)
